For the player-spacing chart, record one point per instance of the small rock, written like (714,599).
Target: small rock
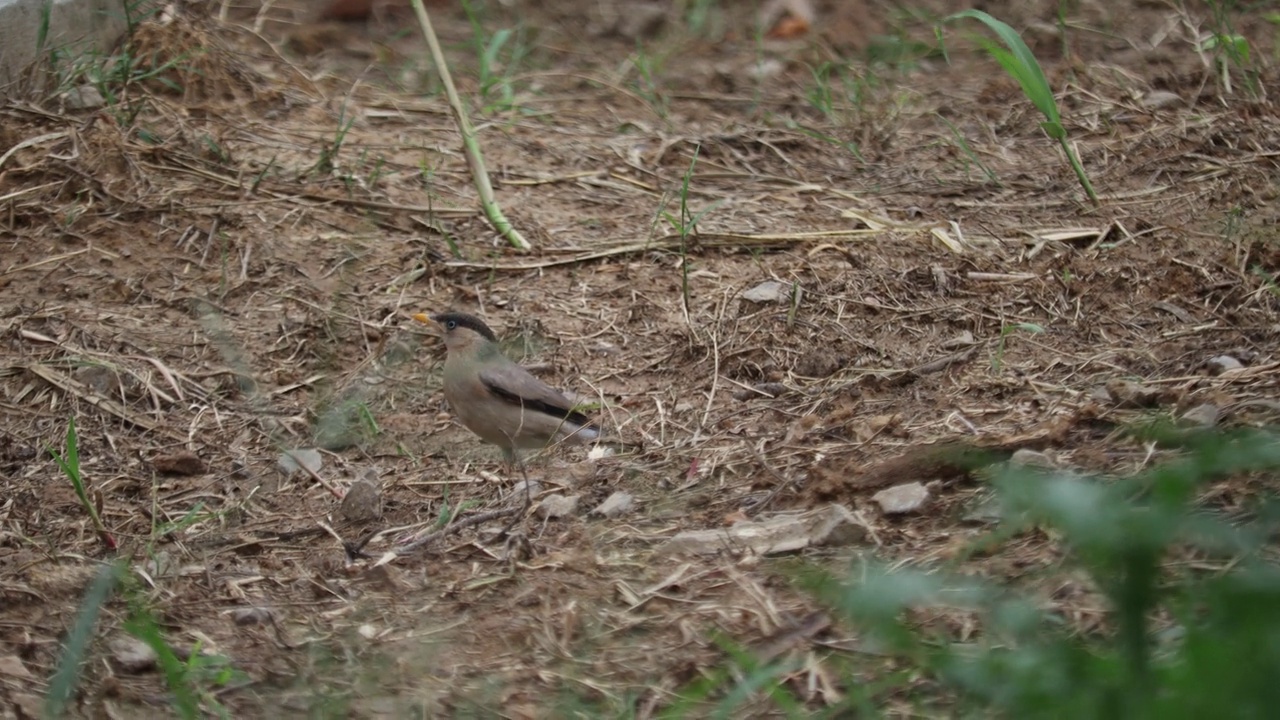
(100,378)
(1204,415)
(901,499)
(619,503)
(530,487)
(83,97)
(182,462)
(1032,458)
(362,503)
(767,292)
(1224,363)
(558,506)
(599,452)
(1160,99)
(309,457)
(28,705)
(251,616)
(12,666)
(1098,393)
(367,631)
(160,564)
(131,655)
(765,69)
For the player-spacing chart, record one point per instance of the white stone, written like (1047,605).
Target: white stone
(901,499)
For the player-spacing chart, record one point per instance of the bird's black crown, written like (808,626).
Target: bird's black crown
(451,320)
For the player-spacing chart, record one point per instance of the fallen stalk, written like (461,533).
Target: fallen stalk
(471,146)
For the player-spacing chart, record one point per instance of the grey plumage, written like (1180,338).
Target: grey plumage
(498,399)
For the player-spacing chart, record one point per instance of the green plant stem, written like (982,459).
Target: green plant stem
(471,146)
(1079,169)
(1018,61)
(70,465)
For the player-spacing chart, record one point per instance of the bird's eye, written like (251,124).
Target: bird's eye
(451,324)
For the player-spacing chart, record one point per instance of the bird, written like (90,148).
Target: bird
(496,398)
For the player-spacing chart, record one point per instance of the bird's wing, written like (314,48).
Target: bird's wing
(513,384)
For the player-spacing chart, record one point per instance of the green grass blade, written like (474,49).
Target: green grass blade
(1028,74)
(1017,60)
(42,29)
(67,676)
(69,462)
(143,627)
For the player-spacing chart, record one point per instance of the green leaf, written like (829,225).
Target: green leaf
(144,627)
(1054,130)
(1028,74)
(63,685)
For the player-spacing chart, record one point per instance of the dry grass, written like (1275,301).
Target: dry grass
(225,273)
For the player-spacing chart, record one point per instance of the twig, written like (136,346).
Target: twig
(666,242)
(30,142)
(943,362)
(461,524)
(470,145)
(74,387)
(314,476)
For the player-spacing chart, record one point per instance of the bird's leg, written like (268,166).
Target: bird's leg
(528,490)
(513,457)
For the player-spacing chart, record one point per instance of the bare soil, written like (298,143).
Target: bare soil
(220,265)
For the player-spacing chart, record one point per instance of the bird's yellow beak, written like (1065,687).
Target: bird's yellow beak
(433,327)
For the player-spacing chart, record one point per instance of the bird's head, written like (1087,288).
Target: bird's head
(461,331)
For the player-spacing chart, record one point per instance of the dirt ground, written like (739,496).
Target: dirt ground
(220,265)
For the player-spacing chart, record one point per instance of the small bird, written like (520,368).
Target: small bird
(499,400)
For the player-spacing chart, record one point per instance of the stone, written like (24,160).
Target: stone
(362,502)
(619,503)
(132,655)
(1224,363)
(902,499)
(1203,415)
(1032,458)
(182,462)
(558,506)
(768,291)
